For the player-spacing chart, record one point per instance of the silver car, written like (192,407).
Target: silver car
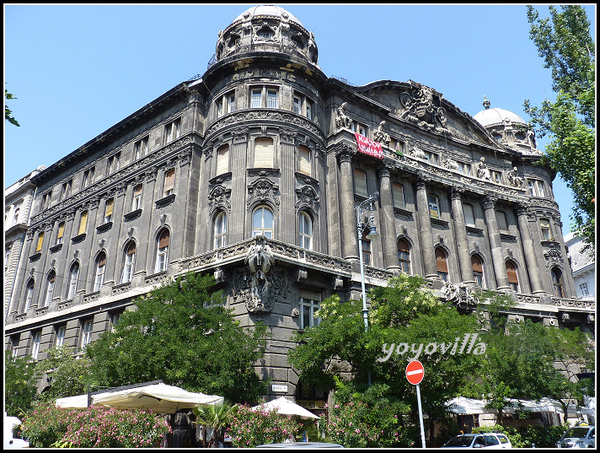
(582,436)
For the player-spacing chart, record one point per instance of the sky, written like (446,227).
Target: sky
(78,69)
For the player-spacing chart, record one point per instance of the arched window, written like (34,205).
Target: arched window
(557,281)
(404,255)
(162,251)
(511,273)
(100,269)
(306,231)
(128,263)
(73,276)
(262,222)
(220,230)
(441,262)
(263,153)
(360,182)
(50,288)
(477,270)
(29,294)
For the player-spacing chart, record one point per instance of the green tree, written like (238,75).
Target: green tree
(8,116)
(181,333)
(67,375)
(216,417)
(565,43)
(20,376)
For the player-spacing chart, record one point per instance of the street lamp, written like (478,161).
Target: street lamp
(360,226)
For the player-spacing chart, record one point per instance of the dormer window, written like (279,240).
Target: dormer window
(265,33)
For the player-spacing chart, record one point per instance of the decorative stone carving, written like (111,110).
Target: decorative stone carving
(380,136)
(513,178)
(342,120)
(219,196)
(481,170)
(307,198)
(422,107)
(263,189)
(460,294)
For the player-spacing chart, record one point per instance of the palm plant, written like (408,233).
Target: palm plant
(216,417)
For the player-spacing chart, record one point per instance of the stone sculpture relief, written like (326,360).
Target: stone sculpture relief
(481,170)
(342,120)
(513,178)
(380,136)
(421,109)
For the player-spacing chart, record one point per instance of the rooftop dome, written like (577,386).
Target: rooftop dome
(267,10)
(489,117)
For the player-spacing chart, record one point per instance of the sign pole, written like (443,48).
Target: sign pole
(421,416)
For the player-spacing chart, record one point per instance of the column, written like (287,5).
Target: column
(462,243)
(348,214)
(425,233)
(528,250)
(388,227)
(489,204)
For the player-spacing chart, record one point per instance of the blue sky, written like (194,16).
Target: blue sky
(76,70)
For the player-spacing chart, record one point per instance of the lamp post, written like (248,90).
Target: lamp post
(360,226)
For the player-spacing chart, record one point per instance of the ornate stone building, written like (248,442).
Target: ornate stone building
(253,172)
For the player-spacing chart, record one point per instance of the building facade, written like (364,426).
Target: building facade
(253,173)
(583,267)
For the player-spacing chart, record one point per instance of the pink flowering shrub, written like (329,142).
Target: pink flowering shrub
(251,428)
(94,427)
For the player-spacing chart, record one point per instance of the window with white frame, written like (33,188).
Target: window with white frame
(303,105)
(366,246)
(359,128)
(220,230)
(112,163)
(261,97)
(14,345)
(308,313)
(100,271)
(88,177)
(225,104)
(546,230)
(262,222)
(61,233)
(50,288)
(136,201)
(86,333)
(140,148)
(536,187)
(108,210)
(66,190)
(169,182)
(60,336)
(162,251)
(404,255)
(29,294)
(305,231)
(441,263)
(73,277)
(173,130)
(35,347)
(128,263)
(583,289)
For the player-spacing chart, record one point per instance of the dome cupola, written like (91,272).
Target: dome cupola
(266,28)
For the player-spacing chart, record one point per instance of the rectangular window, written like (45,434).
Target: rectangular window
(309,309)
(536,188)
(398,195)
(469,216)
(60,336)
(35,347)
(66,190)
(108,211)
(583,289)
(223,159)
(40,242)
(501,219)
(140,148)
(173,131)
(137,198)
(83,222)
(88,177)
(86,333)
(113,163)
(309,109)
(263,153)
(546,231)
(256,98)
(169,184)
(297,105)
(434,206)
(360,182)
(230,99)
(272,99)
(305,160)
(46,200)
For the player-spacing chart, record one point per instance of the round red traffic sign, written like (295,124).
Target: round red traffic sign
(415,372)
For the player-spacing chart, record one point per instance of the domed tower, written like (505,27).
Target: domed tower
(266,28)
(508,128)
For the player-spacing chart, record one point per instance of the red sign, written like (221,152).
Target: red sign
(368,146)
(415,372)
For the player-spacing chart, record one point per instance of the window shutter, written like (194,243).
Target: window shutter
(476,263)
(398,195)
(511,272)
(164,240)
(131,249)
(61,230)
(263,153)
(109,208)
(223,159)
(169,181)
(360,182)
(305,166)
(102,260)
(83,222)
(440,261)
(40,242)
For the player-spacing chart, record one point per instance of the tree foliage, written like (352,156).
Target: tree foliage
(8,116)
(20,375)
(181,333)
(564,42)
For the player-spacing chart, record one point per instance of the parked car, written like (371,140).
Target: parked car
(479,440)
(582,436)
(301,445)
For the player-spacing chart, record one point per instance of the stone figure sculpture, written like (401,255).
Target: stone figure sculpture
(342,120)
(482,171)
(380,136)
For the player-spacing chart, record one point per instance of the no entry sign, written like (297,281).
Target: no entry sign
(415,372)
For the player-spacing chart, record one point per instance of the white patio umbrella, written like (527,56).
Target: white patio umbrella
(286,407)
(161,398)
